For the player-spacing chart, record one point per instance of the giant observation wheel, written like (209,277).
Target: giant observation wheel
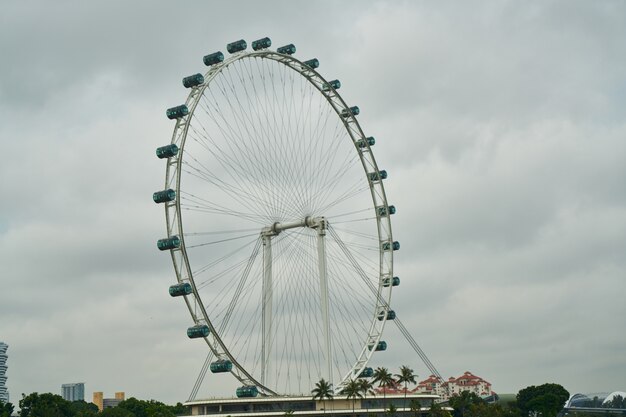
(277,222)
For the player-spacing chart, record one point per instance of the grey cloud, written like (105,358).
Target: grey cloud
(500,124)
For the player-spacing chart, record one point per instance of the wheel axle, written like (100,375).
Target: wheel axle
(318,223)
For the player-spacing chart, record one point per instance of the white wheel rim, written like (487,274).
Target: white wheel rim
(283,180)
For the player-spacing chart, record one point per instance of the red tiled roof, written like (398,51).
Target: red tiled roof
(430,379)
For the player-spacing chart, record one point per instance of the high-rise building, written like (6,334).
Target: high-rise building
(102,403)
(113,402)
(98,399)
(73,392)
(4,393)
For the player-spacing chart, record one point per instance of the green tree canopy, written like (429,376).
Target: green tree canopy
(617,402)
(152,408)
(52,405)
(180,410)
(546,399)
(406,376)
(384,379)
(6,409)
(436,411)
(323,391)
(415,406)
(352,390)
(45,405)
(462,402)
(116,412)
(492,410)
(366,386)
(83,409)
(391,410)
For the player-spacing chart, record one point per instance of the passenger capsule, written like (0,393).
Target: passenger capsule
(197,331)
(366,373)
(352,111)
(362,143)
(183,288)
(236,46)
(391,315)
(167,151)
(334,84)
(262,43)
(247,391)
(221,366)
(168,243)
(193,80)
(164,196)
(393,246)
(377,176)
(312,63)
(394,282)
(382,345)
(212,59)
(177,112)
(287,49)
(383,211)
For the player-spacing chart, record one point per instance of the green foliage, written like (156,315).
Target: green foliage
(137,407)
(352,390)
(45,405)
(365,385)
(323,390)
(116,412)
(492,410)
(83,409)
(384,379)
(180,410)
(51,405)
(462,402)
(6,409)
(546,399)
(436,411)
(152,408)
(415,407)
(468,404)
(391,410)
(617,402)
(406,376)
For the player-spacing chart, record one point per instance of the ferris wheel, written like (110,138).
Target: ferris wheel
(277,222)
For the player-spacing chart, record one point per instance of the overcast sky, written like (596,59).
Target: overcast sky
(502,125)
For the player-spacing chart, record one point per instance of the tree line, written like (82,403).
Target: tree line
(545,400)
(53,405)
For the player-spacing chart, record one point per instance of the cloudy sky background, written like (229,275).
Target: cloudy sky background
(502,125)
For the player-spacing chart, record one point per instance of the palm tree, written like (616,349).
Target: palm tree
(352,390)
(323,391)
(391,410)
(366,386)
(436,411)
(384,379)
(405,376)
(416,406)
